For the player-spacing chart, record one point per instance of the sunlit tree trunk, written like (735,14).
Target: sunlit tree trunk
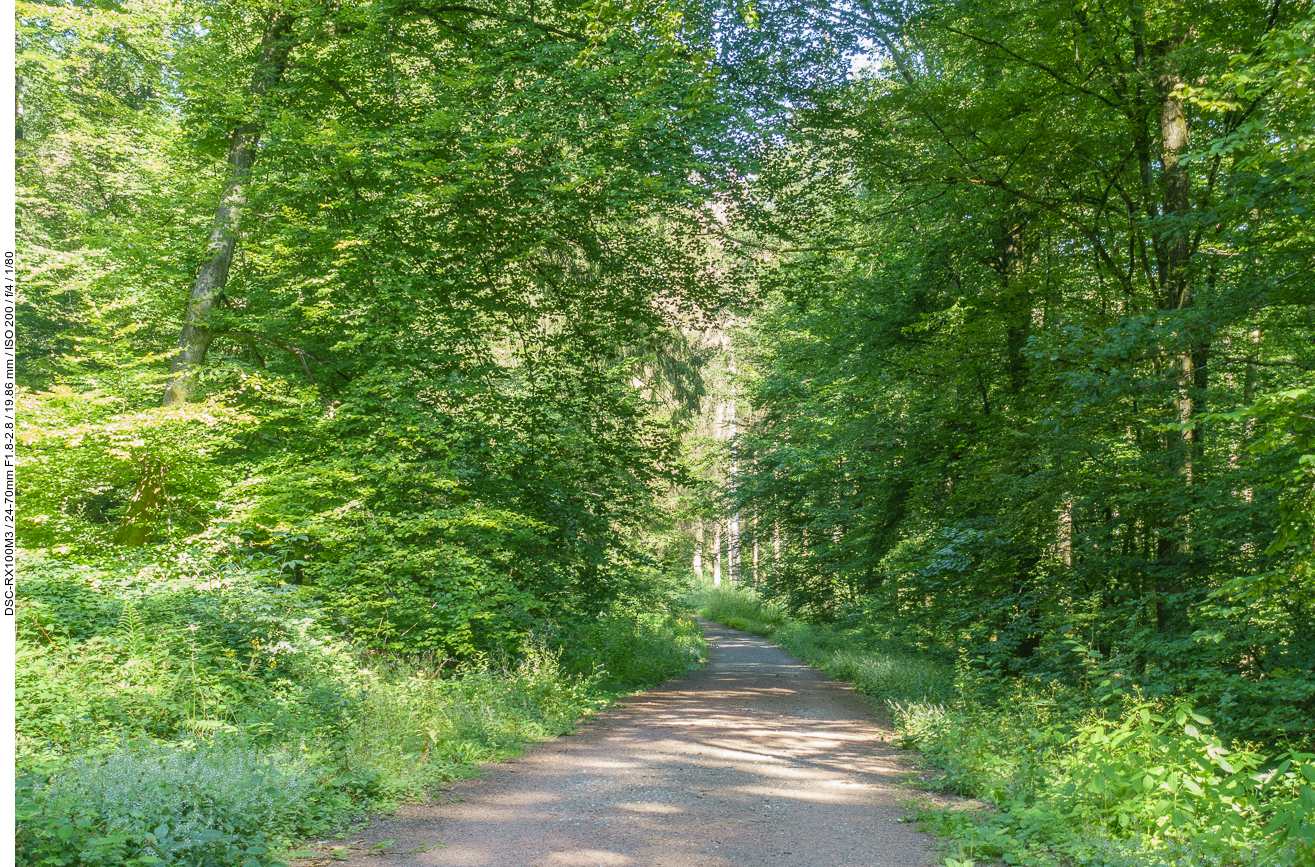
(732,471)
(698,548)
(755,550)
(1249,397)
(716,562)
(1065,532)
(196,336)
(1176,288)
(1176,282)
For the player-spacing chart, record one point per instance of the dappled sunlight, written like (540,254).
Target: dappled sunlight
(604,763)
(525,799)
(665,809)
(723,762)
(581,857)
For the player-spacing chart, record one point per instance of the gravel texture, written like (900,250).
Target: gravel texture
(756,759)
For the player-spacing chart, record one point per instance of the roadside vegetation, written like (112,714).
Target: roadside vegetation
(384,368)
(335,478)
(214,720)
(1074,770)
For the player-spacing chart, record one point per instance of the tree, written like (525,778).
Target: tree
(1017,275)
(448,240)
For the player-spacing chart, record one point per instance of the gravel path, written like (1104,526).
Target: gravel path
(757,759)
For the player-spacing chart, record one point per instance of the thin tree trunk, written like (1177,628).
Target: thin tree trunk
(776,546)
(1065,532)
(732,473)
(698,548)
(196,336)
(1016,302)
(755,550)
(716,562)
(1249,385)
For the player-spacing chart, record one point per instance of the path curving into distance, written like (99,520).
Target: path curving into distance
(756,759)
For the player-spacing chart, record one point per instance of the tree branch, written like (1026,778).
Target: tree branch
(302,354)
(1036,64)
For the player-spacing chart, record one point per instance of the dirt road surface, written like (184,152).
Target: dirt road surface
(754,760)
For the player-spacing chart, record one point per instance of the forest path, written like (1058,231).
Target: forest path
(756,759)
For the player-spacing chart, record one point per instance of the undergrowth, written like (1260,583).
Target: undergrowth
(166,717)
(1074,776)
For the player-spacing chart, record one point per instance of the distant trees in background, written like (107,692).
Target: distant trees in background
(1036,364)
(991,322)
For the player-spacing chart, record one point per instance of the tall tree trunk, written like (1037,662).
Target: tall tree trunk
(1174,258)
(732,472)
(755,549)
(776,546)
(716,562)
(1016,301)
(698,548)
(196,336)
(1175,255)
(1249,385)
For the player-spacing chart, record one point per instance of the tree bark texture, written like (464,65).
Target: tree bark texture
(196,336)
(1175,253)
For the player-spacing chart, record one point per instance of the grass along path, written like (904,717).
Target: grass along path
(755,759)
(1073,783)
(213,726)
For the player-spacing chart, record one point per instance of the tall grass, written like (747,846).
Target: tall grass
(228,799)
(216,723)
(1072,782)
(738,609)
(415,729)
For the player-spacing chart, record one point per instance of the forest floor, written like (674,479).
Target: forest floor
(756,759)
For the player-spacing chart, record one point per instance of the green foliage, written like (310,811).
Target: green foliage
(628,647)
(738,609)
(1024,371)
(167,650)
(212,804)
(465,233)
(416,728)
(1286,423)
(1167,774)
(168,710)
(407,522)
(87,459)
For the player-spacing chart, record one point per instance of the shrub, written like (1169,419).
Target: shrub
(250,724)
(118,652)
(416,729)
(217,804)
(627,648)
(738,609)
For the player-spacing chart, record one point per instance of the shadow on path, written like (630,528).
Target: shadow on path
(757,759)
